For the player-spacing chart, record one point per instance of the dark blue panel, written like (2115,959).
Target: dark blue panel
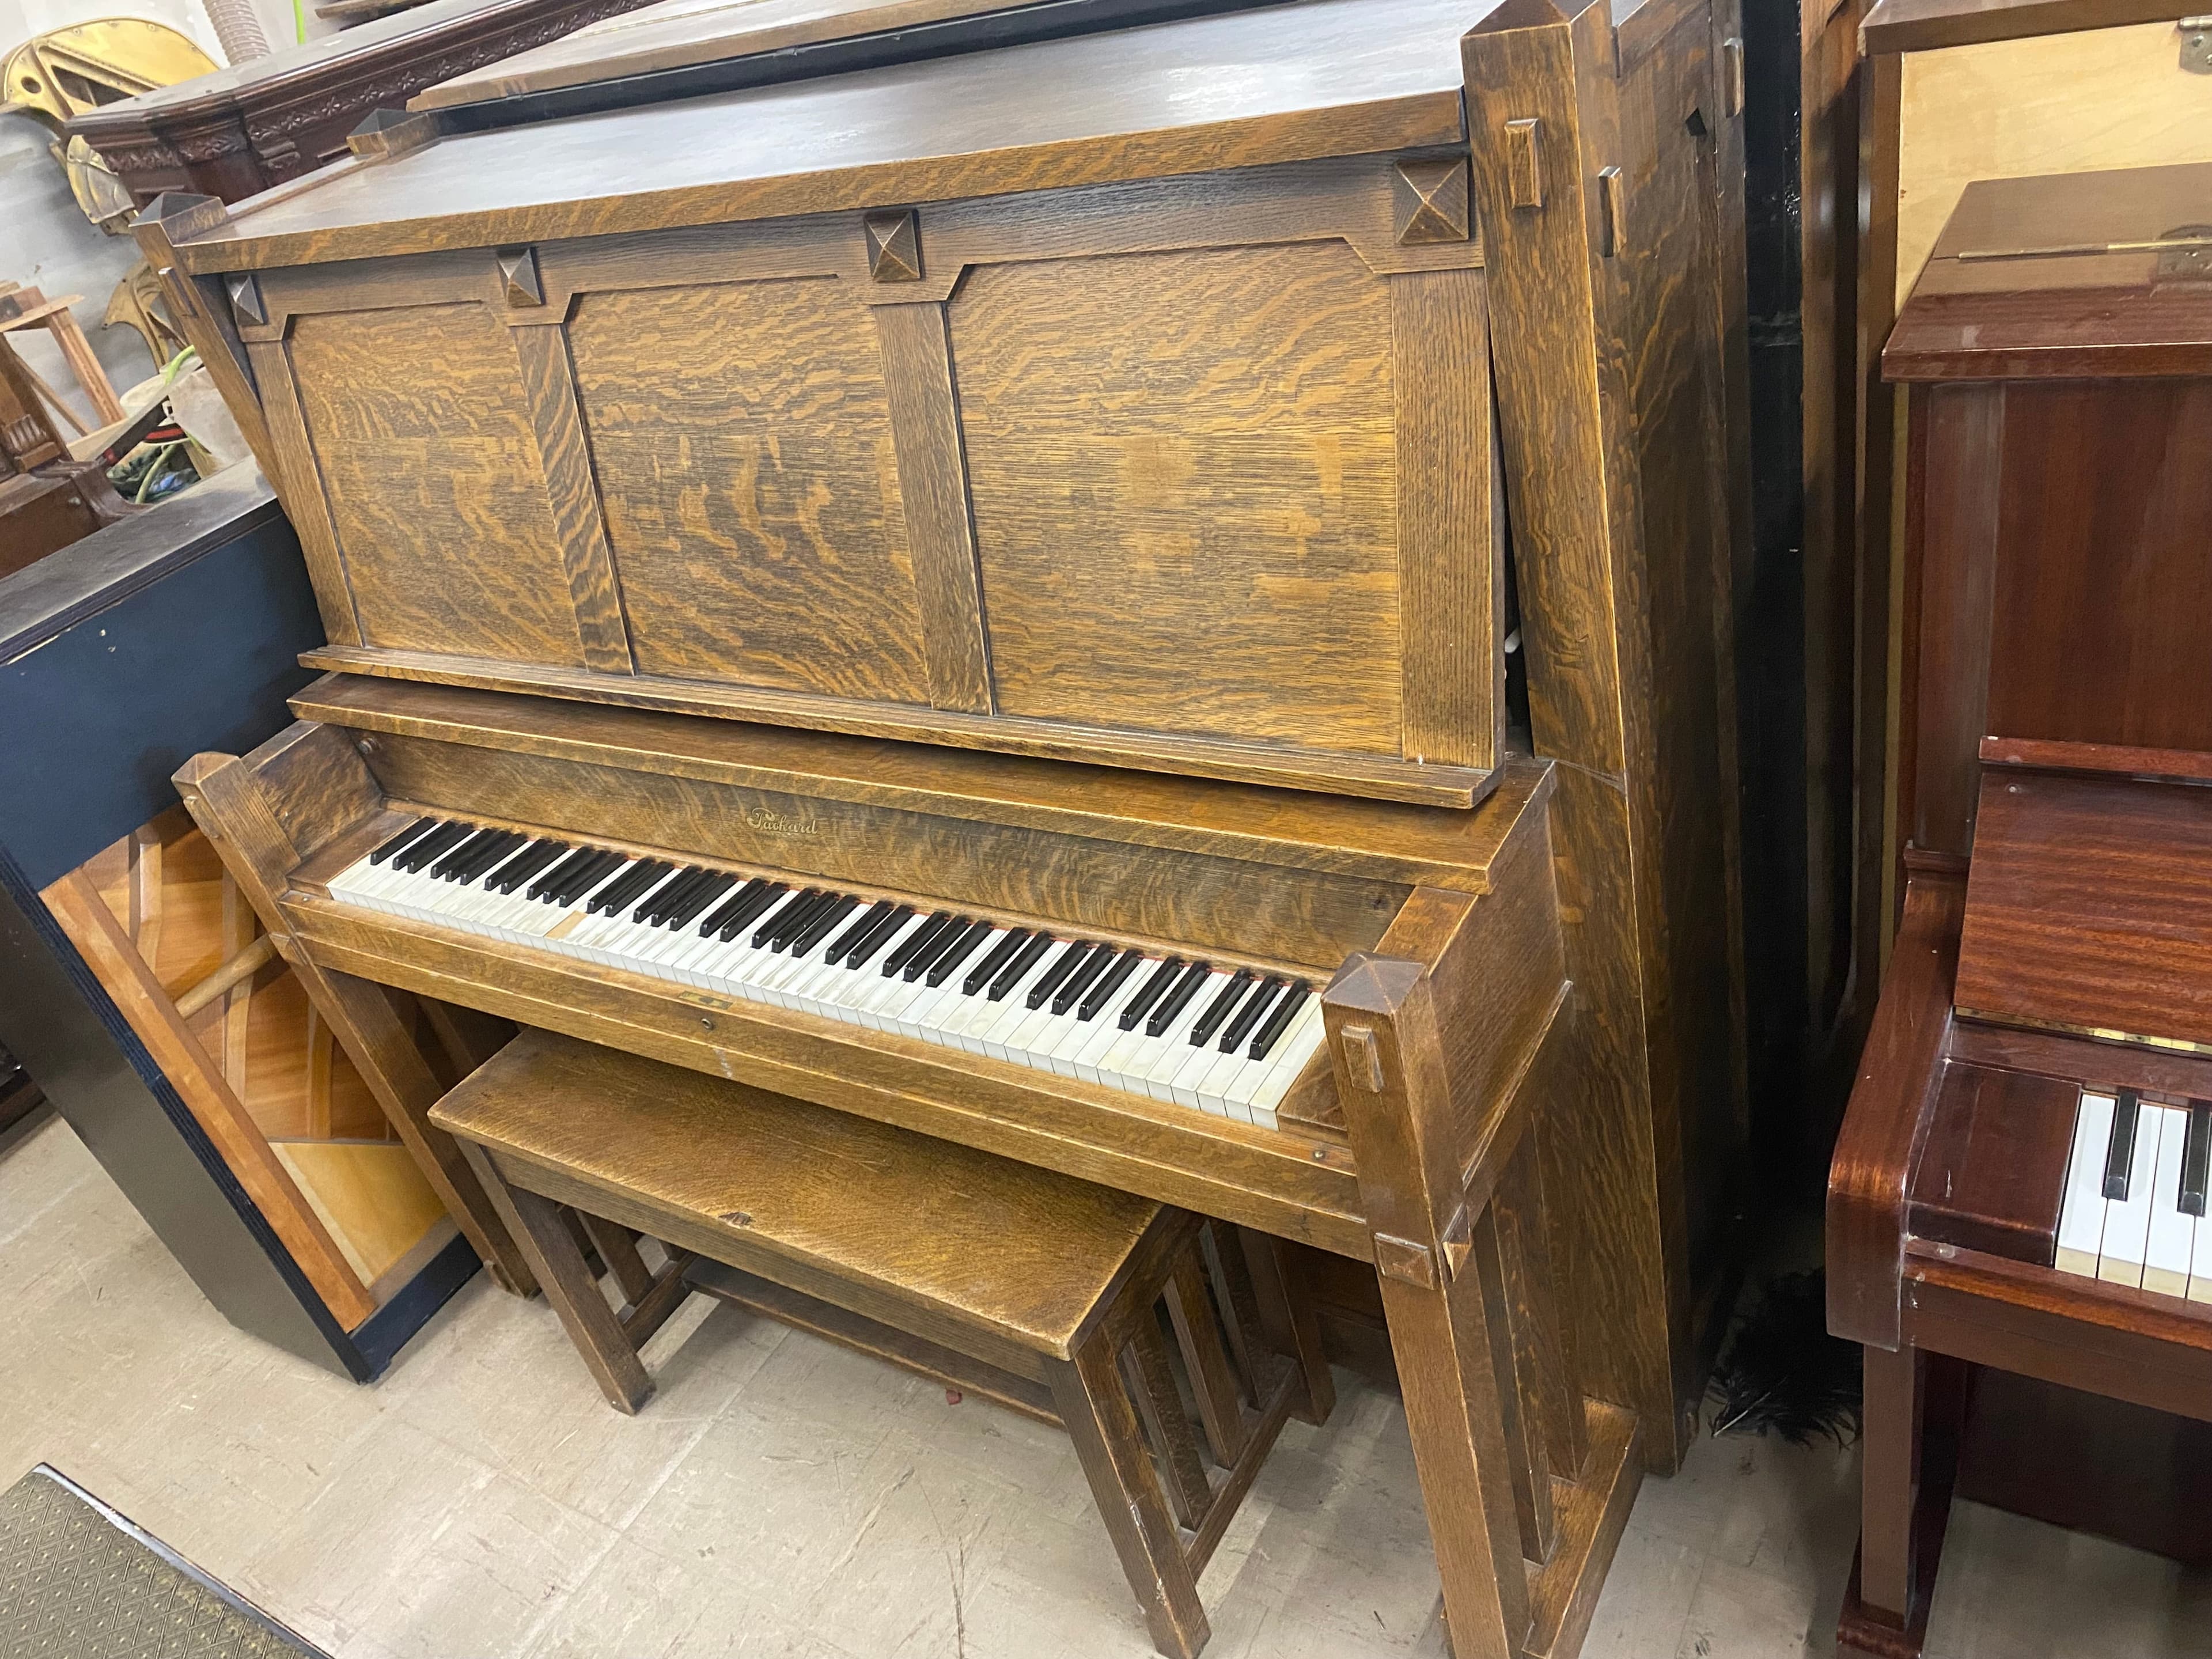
(95,717)
(387,1330)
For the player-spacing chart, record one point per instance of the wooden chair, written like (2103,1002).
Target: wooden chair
(999,1278)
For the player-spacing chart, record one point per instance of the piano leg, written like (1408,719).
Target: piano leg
(1915,1407)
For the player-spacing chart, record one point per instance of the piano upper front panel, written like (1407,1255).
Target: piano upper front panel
(1184,474)
(741,434)
(433,482)
(1187,472)
(2105,579)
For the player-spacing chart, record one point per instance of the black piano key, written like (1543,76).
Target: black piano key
(434,845)
(1110,981)
(2196,1158)
(730,907)
(461,852)
(386,847)
(926,957)
(1171,1006)
(646,902)
(1279,1020)
(841,946)
(998,957)
(1239,1029)
(627,888)
(958,952)
(1219,1008)
(488,857)
(557,880)
(1150,993)
(773,915)
(881,931)
(700,898)
(665,897)
(776,931)
(524,865)
(1081,980)
(1018,969)
(759,908)
(819,925)
(1077,953)
(587,877)
(2120,1151)
(917,942)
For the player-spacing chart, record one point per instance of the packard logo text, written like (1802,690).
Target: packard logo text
(772,822)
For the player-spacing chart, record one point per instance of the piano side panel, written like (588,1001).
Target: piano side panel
(1184,473)
(434,481)
(742,439)
(1208,902)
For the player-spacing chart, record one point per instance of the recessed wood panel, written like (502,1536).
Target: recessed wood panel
(2089,906)
(2104,583)
(1184,476)
(742,440)
(435,489)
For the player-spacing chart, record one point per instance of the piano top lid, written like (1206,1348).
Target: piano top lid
(2070,274)
(689,34)
(1300,81)
(1926,25)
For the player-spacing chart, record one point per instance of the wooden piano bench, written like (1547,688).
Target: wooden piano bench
(1031,1288)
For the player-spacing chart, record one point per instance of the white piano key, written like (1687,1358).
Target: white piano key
(2127,1223)
(2081,1210)
(2172,1229)
(2200,1262)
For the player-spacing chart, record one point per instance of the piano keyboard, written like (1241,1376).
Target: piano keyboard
(2133,1209)
(1225,1040)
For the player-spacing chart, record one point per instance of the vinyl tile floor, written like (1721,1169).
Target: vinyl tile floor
(782,1496)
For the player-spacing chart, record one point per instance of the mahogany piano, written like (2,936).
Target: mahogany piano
(1035,521)
(2016,1209)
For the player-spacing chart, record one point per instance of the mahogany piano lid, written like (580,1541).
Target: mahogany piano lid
(1928,25)
(661,43)
(2086,273)
(1352,77)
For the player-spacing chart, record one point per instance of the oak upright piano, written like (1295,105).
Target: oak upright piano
(1064,490)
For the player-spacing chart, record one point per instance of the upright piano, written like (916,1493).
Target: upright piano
(2016,1209)
(1037,520)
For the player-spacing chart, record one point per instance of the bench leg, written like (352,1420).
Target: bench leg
(1095,1407)
(1286,1313)
(551,1249)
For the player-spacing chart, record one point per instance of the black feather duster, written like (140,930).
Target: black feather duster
(1782,1371)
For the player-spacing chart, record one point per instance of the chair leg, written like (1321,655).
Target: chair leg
(551,1250)
(1095,1407)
